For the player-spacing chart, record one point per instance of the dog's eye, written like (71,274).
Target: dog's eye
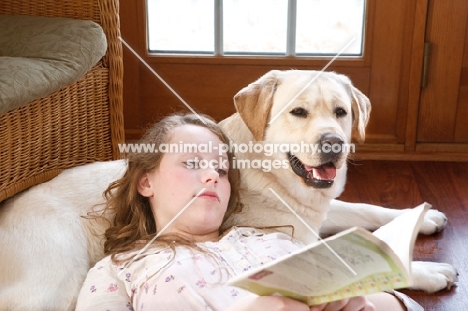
(299,112)
(340,112)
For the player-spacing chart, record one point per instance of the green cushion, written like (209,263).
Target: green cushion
(40,55)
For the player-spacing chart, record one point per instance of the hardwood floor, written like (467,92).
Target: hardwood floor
(406,184)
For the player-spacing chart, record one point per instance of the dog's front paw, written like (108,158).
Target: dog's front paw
(433,276)
(434,221)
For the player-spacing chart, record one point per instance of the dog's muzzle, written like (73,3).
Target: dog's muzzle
(321,176)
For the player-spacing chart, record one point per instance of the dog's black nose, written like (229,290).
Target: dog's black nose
(331,139)
(331,143)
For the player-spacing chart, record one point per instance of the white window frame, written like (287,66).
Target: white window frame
(290,37)
(290,31)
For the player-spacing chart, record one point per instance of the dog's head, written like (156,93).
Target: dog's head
(316,111)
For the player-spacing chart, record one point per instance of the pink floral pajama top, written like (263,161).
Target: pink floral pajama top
(186,280)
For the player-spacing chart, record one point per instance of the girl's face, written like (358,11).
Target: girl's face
(181,176)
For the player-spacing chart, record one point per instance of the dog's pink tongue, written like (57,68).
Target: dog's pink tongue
(324,172)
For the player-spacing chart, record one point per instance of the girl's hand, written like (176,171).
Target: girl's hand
(270,303)
(279,303)
(359,303)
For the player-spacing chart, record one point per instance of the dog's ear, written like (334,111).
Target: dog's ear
(361,108)
(253,103)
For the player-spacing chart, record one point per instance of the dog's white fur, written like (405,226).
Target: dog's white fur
(47,247)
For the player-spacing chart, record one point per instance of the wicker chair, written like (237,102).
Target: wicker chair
(79,124)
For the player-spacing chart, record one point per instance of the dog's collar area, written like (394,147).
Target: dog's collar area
(319,177)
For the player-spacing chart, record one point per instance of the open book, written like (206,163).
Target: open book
(351,263)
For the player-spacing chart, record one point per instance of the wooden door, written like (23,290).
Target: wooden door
(443,107)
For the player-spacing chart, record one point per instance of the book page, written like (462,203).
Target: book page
(400,234)
(318,272)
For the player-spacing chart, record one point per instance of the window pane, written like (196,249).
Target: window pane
(257,26)
(326,26)
(182,25)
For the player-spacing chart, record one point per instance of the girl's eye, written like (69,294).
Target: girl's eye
(191,164)
(221,172)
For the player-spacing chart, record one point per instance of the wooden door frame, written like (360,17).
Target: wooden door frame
(415,76)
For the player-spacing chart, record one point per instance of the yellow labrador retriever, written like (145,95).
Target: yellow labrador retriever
(321,111)
(47,247)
